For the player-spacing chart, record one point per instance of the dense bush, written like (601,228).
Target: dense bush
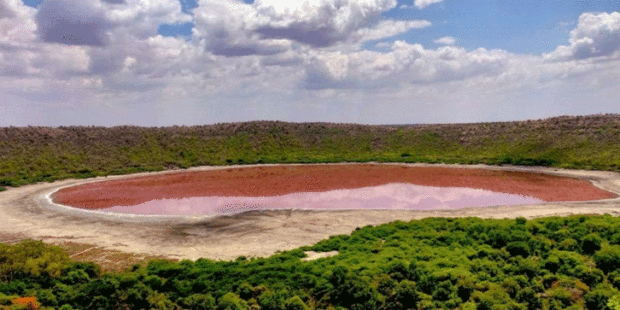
(435,263)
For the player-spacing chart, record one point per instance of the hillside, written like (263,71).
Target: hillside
(34,154)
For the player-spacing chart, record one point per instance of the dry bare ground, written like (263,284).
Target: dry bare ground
(120,241)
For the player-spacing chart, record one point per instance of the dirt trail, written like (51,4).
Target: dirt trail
(26,213)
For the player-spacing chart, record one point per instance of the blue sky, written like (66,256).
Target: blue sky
(185,62)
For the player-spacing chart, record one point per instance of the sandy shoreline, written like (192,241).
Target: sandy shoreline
(27,213)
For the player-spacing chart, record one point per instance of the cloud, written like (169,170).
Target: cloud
(405,63)
(141,18)
(72,22)
(267,27)
(5,10)
(389,28)
(24,56)
(318,23)
(17,26)
(288,58)
(445,41)
(596,35)
(225,27)
(420,4)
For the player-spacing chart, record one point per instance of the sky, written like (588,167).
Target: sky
(195,62)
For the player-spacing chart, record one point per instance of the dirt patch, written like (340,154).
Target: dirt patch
(311,255)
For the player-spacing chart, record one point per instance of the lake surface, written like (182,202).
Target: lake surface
(394,196)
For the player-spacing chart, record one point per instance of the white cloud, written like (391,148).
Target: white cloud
(6,10)
(141,18)
(17,26)
(596,35)
(227,28)
(389,28)
(405,63)
(420,4)
(267,27)
(445,41)
(318,23)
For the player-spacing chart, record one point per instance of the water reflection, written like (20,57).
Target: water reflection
(393,196)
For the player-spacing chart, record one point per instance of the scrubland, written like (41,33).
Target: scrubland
(465,263)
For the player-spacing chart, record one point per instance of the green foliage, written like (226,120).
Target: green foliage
(608,258)
(231,301)
(31,259)
(600,296)
(295,303)
(199,302)
(434,263)
(6,300)
(518,248)
(614,302)
(591,243)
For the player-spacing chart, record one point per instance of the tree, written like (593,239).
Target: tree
(405,296)
(608,258)
(598,298)
(591,243)
(295,303)
(518,248)
(614,303)
(230,301)
(199,302)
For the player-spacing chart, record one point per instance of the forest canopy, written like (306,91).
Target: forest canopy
(435,263)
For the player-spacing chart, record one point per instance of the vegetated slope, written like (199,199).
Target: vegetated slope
(32,154)
(435,263)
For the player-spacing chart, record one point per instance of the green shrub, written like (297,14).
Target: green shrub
(599,297)
(608,258)
(518,248)
(521,220)
(47,298)
(295,303)
(591,243)
(6,300)
(199,302)
(614,303)
(569,244)
(528,296)
(230,301)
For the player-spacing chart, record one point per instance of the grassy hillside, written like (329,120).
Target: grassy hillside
(33,154)
(435,263)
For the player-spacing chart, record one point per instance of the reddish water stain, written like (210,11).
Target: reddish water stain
(272,181)
(390,196)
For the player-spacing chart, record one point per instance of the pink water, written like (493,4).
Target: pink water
(396,196)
